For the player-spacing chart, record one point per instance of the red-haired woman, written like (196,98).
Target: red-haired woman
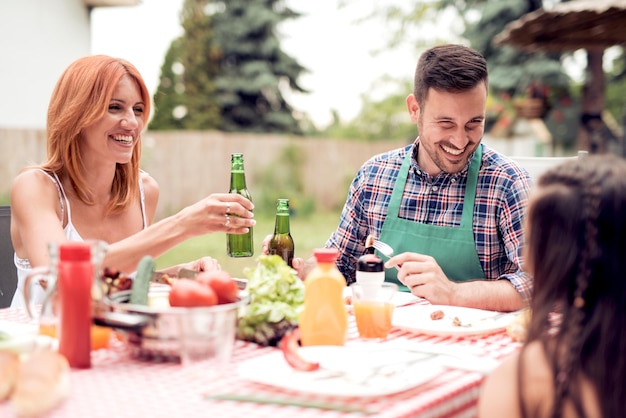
(91,186)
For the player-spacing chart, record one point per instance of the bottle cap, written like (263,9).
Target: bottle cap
(370,263)
(75,251)
(325,255)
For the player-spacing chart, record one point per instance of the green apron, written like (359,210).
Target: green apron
(453,248)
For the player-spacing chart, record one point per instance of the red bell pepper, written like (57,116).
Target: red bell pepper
(289,345)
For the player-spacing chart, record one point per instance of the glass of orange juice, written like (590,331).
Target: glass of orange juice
(48,315)
(373,309)
(99,335)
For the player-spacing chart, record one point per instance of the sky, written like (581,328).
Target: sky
(338,52)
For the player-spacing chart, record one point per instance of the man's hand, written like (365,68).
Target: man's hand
(424,277)
(297,263)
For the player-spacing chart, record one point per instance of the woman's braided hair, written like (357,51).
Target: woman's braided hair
(575,250)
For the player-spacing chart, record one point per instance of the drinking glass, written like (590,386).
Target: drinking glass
(373,309)
(46,311)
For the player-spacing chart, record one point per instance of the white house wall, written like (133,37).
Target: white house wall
(38,40)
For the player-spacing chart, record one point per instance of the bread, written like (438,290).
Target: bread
(9,367)
(43,382)
(518,327)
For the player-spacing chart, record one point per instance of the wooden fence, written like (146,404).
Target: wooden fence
(189,165)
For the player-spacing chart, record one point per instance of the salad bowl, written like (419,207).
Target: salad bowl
(158,332)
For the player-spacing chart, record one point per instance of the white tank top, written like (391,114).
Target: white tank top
(23,265)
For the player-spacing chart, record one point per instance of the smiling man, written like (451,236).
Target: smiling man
(451,208)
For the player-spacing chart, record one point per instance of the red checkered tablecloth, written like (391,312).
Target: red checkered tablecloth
(121,386)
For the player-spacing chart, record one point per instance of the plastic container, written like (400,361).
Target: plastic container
(324,319)
(370,270)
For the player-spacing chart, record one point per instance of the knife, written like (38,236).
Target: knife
(183,273)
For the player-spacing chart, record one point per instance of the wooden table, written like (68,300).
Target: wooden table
(121,386)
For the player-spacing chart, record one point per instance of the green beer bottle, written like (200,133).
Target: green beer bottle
(239,245)
(281,242)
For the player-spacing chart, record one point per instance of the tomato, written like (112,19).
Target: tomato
(289,346)
(222,284)
(190,293)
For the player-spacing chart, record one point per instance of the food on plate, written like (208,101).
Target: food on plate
(141,284)
(115,281)
(348,299)
(194,289)
(276,301)
(42,383)
(437,315)
(222,284)
(9,367)
(190,293)
(517,329)
(289,345)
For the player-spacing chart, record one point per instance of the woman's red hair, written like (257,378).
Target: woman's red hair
(80,98)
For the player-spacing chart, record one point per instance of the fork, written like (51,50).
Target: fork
(491,317)
(498,315)
(386,369)
(385,249)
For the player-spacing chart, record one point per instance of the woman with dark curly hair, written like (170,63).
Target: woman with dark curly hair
(573,363)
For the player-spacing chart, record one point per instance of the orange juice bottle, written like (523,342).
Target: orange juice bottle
(324,320)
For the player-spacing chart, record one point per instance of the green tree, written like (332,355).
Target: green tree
(233,71)
(477,21)
(616,95)
(200,59)
(169,98)
(186,97)
(512,71)
(384,119)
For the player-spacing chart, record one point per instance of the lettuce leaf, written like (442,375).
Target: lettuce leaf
(276,301)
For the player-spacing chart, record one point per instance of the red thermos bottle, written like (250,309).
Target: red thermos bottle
(75,276)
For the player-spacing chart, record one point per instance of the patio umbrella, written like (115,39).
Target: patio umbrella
(593,25)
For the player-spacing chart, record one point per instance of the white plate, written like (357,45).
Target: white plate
(399,298)
(417,318)
(272,369)
(17,329)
